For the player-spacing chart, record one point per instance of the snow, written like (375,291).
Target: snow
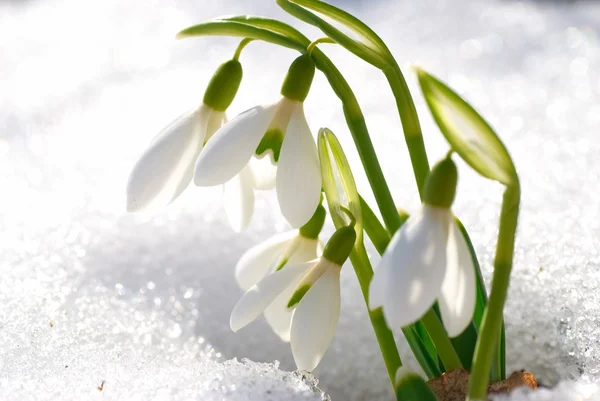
(141,303)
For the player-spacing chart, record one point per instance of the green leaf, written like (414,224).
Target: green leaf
(269,24)
(467,132)
(368,49)
(338,182)
(219,27)
(411,387)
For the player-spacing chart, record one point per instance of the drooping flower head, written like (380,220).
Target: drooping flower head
(428,260)
(311,290)
(279,131)
(166,168)
(290,248)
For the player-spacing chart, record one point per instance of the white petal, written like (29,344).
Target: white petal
(215,122)
(256,261)
(231,147)
(257,298)
(378,285)
(457,299)
(163,171)
(298,172)
(305,251)
(315,320)
(417,259)
(279,316)
(264,173)
(238,199)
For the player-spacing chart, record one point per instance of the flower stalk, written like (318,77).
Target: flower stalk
(491,324)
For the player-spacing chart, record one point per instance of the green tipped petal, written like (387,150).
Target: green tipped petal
(467,132)
(272,141)
(298,294)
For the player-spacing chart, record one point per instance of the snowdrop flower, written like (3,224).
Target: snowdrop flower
(428,259)
(312,290)
(279,131)
(166,168)
(294,247)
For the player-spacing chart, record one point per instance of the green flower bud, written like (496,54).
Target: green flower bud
(223,85)
(299,78)
(312,229)
(440,186)
(340,245)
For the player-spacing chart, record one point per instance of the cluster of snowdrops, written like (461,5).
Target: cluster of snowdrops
(428,283)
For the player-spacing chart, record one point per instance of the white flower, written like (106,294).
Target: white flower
(427,259)
(166,168)
(315,315)
(279,130)
(268,257)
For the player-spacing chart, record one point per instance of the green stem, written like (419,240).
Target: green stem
(240,47)
(442,342)
(372,226)
(314,43)
(410,124)
(385,338)
(360,134)
(491,324)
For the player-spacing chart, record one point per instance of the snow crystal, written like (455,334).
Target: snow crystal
(97,303)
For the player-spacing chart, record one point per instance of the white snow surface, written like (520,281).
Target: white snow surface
(137,306)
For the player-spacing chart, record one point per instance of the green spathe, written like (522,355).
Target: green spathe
(223,85)
(299,78)
(340,245)
(440,186)
(470,136)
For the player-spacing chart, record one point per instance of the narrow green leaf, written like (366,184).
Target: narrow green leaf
(426,339)
(464,345)
(233,28)
(467,132)
(270,24)
(365,49)
(421,353)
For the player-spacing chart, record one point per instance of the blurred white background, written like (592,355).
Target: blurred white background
(91,294)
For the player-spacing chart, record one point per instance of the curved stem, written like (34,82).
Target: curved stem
(314,43)
(360,134)
(410,124)
(240,47)
(491,324)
